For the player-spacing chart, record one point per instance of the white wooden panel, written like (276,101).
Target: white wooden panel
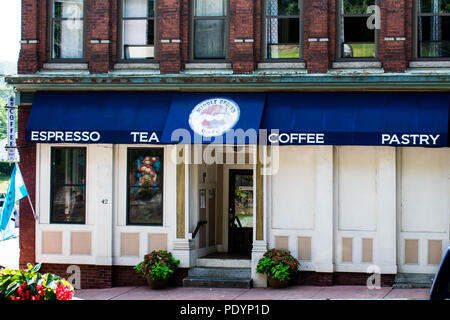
(357,188)
(294,188)
(425,190)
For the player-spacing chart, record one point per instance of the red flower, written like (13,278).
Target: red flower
(64,292)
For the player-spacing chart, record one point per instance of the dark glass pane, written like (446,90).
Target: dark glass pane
(434,6)
(283,7)
(209,39)
(434,37)
(68,204)
(359,41)
(243,200)
(356,6)
(138,8)
(145,177)
(68,166)
(145,206)
(283,38)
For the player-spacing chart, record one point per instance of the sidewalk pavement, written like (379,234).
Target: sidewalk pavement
(290,293)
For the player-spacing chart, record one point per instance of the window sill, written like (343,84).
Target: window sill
(429,64)
(281,65)
(208,67)
(66,67)
(357,65)
(136,68)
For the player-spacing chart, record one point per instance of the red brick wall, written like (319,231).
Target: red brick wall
(91,276)
(27,221)
(97,23)
(173,22)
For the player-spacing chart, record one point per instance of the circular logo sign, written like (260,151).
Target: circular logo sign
(213,117)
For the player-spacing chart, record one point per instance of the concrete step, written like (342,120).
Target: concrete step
(224,263)
(413,280)
(198,282)
(220,273)
(218,277)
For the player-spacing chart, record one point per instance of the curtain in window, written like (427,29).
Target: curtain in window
(210,8)
(68,29)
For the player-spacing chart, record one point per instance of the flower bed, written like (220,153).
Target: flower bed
(31,285)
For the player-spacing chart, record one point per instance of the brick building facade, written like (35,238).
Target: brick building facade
(398,64)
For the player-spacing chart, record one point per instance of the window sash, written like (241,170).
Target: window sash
(223,46)
(138,51)
(56,52)
(269,44)
(341,35)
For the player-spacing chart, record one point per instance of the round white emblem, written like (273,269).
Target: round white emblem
(213,117)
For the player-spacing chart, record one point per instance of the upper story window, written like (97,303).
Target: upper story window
(138,29)
(356,40)
(145,186)
(210,29)
(433,29)
(283,34)
(68,185)
(67,29)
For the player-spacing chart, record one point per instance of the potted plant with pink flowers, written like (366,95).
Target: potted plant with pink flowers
(157,267)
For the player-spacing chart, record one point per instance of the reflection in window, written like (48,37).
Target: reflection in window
(67,29)
(68,185)
(282,29)
(145,193)
(138,29)
(433,28)
(356,39)
(210,29)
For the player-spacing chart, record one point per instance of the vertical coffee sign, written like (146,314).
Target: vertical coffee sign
(11,127)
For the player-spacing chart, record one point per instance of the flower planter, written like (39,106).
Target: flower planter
(157,284)
(276,283)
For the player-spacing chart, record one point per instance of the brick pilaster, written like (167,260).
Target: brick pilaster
(393,36)
(241,40)
(97,25)
(28,58)
(169,40)
(316,53)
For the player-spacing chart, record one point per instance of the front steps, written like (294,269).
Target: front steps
(220,274)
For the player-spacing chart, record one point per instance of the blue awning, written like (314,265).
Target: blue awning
(98,117)
(392,119)
(378,118)
(214,118)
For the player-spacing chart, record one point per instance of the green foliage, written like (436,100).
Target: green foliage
(6,168)
(5,92)
(356,6)
(157,265)
(278,264)
(31,285)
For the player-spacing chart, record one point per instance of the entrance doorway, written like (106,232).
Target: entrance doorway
(240,217)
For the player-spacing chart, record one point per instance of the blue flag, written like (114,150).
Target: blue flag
(16,191)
